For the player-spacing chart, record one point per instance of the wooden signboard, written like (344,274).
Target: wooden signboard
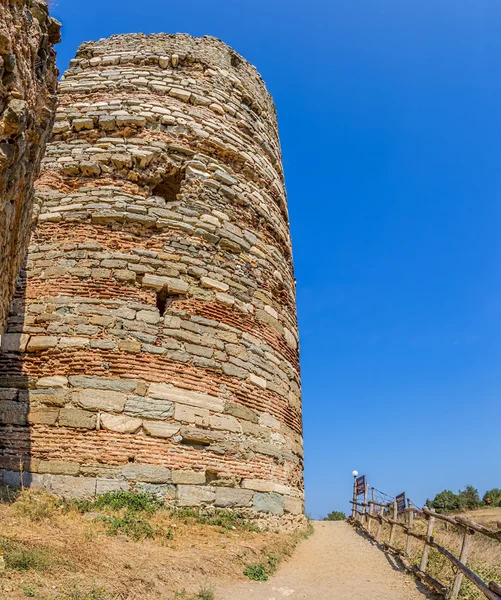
(361,485)
(400,500)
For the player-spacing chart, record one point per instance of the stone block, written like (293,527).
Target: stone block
(146,473)
(13,413)
(72,487)
(58,467)
(192,415)
(163,391)
(80,419)
(110,485)
(261,485)
(51,397)
(233,497)
(225,423)
(100,400)
(149,408)
(56,381)
(129,346)
(259,381)
(43,415)
(159,429)
(267,420)
(174,286)
(194,495)
(188,477)
(269,503)
(103,383)
(41,342)
(240,412)
(119,423)
(14,342)
(164,491)
(293,505)
(214,284)
(148,316)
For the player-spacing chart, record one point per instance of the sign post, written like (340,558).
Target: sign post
(360,485)
(400,500)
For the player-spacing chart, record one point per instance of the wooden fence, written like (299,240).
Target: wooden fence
(368,513)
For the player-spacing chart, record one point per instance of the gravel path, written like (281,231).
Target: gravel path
(335,563)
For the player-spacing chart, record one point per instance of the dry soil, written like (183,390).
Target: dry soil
(335,563)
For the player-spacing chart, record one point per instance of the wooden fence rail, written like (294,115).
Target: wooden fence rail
(369,512)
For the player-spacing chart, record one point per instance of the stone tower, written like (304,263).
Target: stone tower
(28,81)
(152,343)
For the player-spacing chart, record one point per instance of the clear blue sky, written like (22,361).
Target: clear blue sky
(390,123)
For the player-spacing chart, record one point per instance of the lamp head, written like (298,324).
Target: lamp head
(355,473)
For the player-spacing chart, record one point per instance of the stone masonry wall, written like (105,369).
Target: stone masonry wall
(153,343)
(28,80)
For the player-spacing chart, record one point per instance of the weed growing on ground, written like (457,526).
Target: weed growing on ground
(262,571)
(225,519)
(121,499)
(36,507)
(75,593)
(205,593)
(20,556)
(256,572)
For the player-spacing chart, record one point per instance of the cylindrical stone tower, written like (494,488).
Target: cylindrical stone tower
(153,340)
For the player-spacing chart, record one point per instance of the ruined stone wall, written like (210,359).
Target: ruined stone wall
(28,80)
(153,339)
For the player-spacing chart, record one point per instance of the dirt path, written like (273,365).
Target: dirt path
(334,564)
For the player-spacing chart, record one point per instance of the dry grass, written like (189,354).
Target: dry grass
(485,553)
(55,550)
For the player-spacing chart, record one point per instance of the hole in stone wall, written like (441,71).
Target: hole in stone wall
(235,60)
(169,187)
(162,300)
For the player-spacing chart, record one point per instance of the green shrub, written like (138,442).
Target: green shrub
(335,515)
(494,496)
(444,502)
(121,499)
(130,525)
(256,572)
(469,498)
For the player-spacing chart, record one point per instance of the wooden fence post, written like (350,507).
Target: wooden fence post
(380,524)
(426,550)
(366,498)
(395,517)
(410,523)
(369,522)
(465,550)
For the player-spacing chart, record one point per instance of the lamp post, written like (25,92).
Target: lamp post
(354,506)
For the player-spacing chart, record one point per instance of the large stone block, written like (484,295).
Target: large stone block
(146,473)
(163,391)
(100,400)
(80,419)
(149,408)
(58,467)
(188,477)
(194,495)
(233,497)
(269,503)
(119,423)
(160,430)
(103,383)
